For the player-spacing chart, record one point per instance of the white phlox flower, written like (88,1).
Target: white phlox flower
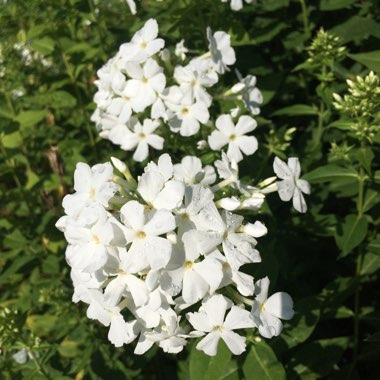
(134,136)
(181,50)
(291,185)
(213,322)
(222,54)
(234,136)
(268,312)
(144,43)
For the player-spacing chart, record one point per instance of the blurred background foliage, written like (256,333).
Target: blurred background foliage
(328,259)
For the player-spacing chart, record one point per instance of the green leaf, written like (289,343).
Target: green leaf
(363,26)
(306,317)
(41,325)
(272,5)
(372,198)
(365,157)
(344,125)
(354,231)
(374,245)
(296,110)
(332,5)
(28,119)
(12,140)
(262,363)
(370,59)
(330,173)
(317,359)
(371,263)
(215,367)
(43,45)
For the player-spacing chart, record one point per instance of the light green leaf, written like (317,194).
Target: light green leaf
(365,156)
(43,45)
(262,363)
(369,59)
(332,5)
(296,110)
(12,140)
(41,325)
(30,118)
(215,367)
(371,263)
(271,5)
(354,231)
(330,173)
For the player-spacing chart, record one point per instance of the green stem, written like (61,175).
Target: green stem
(359,261)
(305,18)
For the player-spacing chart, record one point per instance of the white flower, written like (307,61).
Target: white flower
(211,320)
(143,230)
(234,136)
(144,43)
(136,136)
(186,115)
(223,55)
(181,50)
(146,82)
(248,92)
(190,171)
(291,185)
(266,312)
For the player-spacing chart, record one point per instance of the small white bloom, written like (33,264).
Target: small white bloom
(190,171)
(181,50)
(223,55)
(144,43)
(234,136)
(213,321)
(291,185)
(136,136)
(267,312)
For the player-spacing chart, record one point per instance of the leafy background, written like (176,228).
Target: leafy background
(327,259)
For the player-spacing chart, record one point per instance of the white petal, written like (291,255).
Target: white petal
(238,318)
(248,144)
(209,344)
(150,185)
(171,196)
(270,325)
(299,201)
(303,185)
(215,308)
(294,166)
(245,125)
(234,342)
(280,305)
(194,287)
(162,222)
(133,215)
(200,321)
(281,169)
(286,189)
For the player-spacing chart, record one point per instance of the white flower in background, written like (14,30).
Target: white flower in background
(291,185)
(223,55)
(132,6)
(144,43)
(181,50)
(234,136)
(213,321)
(267,312)
(190,171)
(248,92)
(92,185)
(135,136)
(237,5)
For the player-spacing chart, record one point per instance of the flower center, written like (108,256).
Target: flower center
(143,45)
(218,329)
(185,111)
(96,239)
(142,136)
(225,266)
(185,216)
(262,307)
(232,137)
(141,235)
(92,193)
(145,80)
(188,264)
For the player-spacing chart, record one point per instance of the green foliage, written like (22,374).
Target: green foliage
(302,52)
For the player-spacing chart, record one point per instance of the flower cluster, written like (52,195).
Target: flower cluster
(146,253)
(133,86)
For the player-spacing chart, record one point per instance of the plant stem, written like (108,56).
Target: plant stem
(305,18)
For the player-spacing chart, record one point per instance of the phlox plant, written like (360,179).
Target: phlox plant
(159,258)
